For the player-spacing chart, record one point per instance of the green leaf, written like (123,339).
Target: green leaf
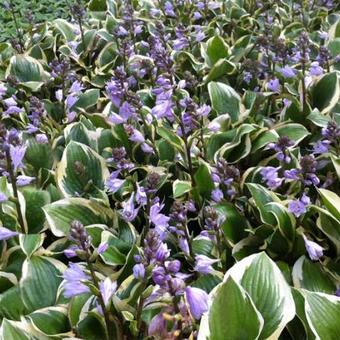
(233,315)
(326,92)
(171,138)
(61,213)
(329,225)
(14,330)
(216,49)
(50,320)
(35,200)
(81,171)
(336,163)
(204,183)
(39,156)
(225,99)
(332,202)
(11,305)
(311,276)
(262,196)
(270,293)
(323,311)
(295,132)
(65,28)
(40,278)
(221,68)
(26,69)
(29,243)
(87,99)
(234,224)
(179,188)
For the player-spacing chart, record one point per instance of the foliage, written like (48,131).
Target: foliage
(170,170)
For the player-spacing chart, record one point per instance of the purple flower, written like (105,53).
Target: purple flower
(126,111)
(5,234)
(23,180)
(3,197)
(162,252)
(137,136)
(141,197)
(76,87)
(274,85)
(315,251)
(288,72)
(315,69)
(183,244)
(321,147)
(217,195)
(147,148)
(71,251)
(299,207)
(204,264)
(173,266)
(159,275)
(107,288)
(17,155)
(74,277)
(129,212)
(197,300)
(157,326)
(160,221)
(113,183)
(270,176)
(41,138)
(203,110)
(102,248)
(169,9)
(138,271)
(163,108)
(292,174)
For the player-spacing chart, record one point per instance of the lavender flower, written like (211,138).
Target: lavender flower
(288,72)
(274,85)
(138,271)
(314,250)
(6,234)
(270,176)
(17,154)
(197,300)
(107,288)
(204,264)
(74,281)
(23,180)
(160,221)
(315,69)
(129,211)
(299,207)
(217,195)
(102,248)
(3,197)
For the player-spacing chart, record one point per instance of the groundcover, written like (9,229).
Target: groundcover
(170,170)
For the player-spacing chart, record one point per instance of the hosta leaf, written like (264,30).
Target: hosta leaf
(61,213)
(29,243)
(225,99)
(179,188)
(216,49)
(233,315)
(14,330)
(87,99)
(26,69)
(262,196)
(11,305)
(295,132)
(332,202)
(204,183)
(65,28)
(234,224)
(263,281)
(81,171)
(323,314)
(40,278)
(50,320)
(311,276)
(326,92)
